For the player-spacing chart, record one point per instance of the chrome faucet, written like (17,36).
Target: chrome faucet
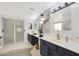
(67,39)
(58,37)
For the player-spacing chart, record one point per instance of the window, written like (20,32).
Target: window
(58,26)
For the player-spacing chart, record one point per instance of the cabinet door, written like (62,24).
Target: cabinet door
(50,45)
(44,50)
(54,53)
(34,40)
(28,37)
(41,47)
(70,53)
(65,52)
(61,50)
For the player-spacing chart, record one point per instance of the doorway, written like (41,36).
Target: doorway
(13,31)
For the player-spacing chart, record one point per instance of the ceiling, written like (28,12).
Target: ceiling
(24,10)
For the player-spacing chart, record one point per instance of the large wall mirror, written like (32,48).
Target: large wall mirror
(62,20)
(63,26)
(35,25)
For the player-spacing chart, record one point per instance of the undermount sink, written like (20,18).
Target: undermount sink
(61,41)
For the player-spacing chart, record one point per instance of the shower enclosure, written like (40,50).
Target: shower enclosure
(13,30)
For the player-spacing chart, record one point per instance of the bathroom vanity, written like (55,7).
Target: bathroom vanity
(32,39)
(49,46)
(50,49)
(53,47)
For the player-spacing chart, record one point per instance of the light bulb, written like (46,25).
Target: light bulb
(42,19)
(41,22)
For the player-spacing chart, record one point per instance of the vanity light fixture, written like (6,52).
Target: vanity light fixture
(54,10)
(41,22)
(42,15)
(42,18)
(59,7)
(66,4)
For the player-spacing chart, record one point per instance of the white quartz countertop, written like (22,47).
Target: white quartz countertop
(33,35)
(70,45)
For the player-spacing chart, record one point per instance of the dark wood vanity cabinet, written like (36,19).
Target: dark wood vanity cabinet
(66,52)
(32,39)
(44,49)
(47,49)
(50,49)
(29,37)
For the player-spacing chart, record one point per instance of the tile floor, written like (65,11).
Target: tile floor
(35,52)
(19,49)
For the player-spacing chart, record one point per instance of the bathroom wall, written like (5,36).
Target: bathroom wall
(46,27)
(0,26)
(26,24)
(75,21)
(1,33)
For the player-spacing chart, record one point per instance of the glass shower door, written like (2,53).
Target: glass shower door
(19,24)
(13,30)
